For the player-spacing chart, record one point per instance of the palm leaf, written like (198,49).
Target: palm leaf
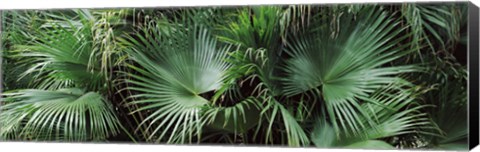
(437,26)
(451,96)
(175,66)
(64,55)
(346,67)
(254,27)
(64,114)
(394,113)
(258,65)
(235,119)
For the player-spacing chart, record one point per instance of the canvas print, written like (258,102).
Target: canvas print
(356,76)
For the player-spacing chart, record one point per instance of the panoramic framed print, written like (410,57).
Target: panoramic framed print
(346,76)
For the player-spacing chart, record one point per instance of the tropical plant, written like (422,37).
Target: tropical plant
(63,115)
(448,93)
(387,116)
(173,77)
(345,76)
(441,29)
(65,56)
(347,68)
(437,26)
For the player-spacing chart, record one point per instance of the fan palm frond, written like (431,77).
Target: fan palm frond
(69,52)
(176,65)
(348,66)
(64,114)
(394,113)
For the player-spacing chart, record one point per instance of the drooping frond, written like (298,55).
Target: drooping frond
(64,114)
(66,53)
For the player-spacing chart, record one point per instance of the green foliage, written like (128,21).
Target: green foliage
(345,76)
(236,119)
(172,76)
(63,115)
(436,26)
(20,26)
(347,67)
(390,114)
(60,55)
(66,53)
(255,27)
(448,93)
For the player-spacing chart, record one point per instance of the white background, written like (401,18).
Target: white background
(62,147)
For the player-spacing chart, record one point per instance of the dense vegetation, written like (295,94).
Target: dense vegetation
(345,76)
